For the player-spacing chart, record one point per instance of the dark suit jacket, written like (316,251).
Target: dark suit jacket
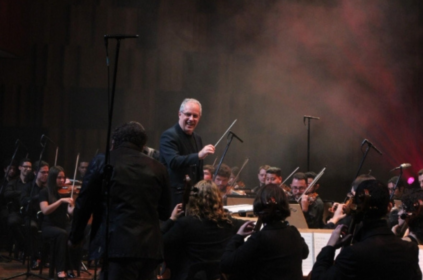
(190,240)
(378,255)
(180,158)
(275,252)
(139,197)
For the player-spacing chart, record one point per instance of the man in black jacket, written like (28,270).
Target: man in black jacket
(139,197)
(376,253)
(182,151)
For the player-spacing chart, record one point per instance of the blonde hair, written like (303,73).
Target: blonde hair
(205,202)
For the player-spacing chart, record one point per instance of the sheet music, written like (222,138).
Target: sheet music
(309,262)
(321,240)
(237,208)
(421,257)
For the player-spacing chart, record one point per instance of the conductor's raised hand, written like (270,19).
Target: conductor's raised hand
(207,150)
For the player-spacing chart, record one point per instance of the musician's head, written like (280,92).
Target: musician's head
(56,179)
(372,199)
(222,177)
(400,187)
(361,178)
(11,168)
(205,202)
(412,203)
(271,204)
(189,115)
(131,132)
(262,174)
(82,167)
(41,172)
(412,199)
(208,171)
(310,177)
(298,184)
(421,178)
(273,176)
(25,168)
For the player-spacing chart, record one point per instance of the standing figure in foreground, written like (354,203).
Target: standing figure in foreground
(275,252)
(182,151)
(139,197)
(376,252)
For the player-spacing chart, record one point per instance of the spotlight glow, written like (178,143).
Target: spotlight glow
(410,180)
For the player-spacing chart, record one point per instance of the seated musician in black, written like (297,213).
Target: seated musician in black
(376,253)
(56,220)
(411,229)
(12,194)
(396,195)
(313,210)
(199,236)
(275,252)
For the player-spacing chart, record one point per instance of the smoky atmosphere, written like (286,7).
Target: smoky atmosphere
(354,65)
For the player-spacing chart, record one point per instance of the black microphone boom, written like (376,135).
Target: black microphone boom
(402,166)
(230,132)
(371,145)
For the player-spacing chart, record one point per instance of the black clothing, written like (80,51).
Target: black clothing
(179,153)
(58,218)
(314,215)
(378,254)
(191,240)
(31,192)
(275,252)
(139,197)
(12,194)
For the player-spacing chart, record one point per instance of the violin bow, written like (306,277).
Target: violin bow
(312,183)
(74,175)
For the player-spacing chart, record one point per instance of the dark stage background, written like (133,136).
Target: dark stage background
(355,64)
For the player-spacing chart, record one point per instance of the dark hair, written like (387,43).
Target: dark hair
(420,172)
(310,174)
(374,205)
(53,192)
(410,199)
(209,167)
(299,176)
(394,179)
(271,204)
(224,171)
(38,165)
(361,178)
(24,160)
(132,132)
(274,170)
(6,163)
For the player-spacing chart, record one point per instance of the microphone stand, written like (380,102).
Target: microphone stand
(29,248)
(396,183)
(231,135)
(108,168)
(308,138)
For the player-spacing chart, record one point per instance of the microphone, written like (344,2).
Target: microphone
(402,166)
(311,117)
(371,145)
(120,36)
(230,132)
(19,142)
(48,138)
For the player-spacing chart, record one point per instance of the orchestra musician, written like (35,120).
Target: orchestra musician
(182,151)
(208,171)
(56,220)
(376,253)
(312,209)
(275,252)
(410,217)
(397,195)
(261,176)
